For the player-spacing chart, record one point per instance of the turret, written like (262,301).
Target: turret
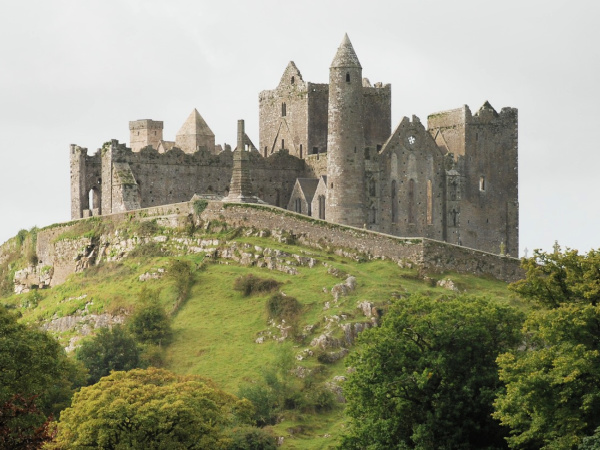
(345,140)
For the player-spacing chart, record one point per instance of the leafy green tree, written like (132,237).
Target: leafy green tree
(37,380)
(427,377)
(151,409)
(111,349)
(560,277)
(150,324)
(552,397)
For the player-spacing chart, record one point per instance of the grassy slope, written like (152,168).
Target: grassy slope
(215,330)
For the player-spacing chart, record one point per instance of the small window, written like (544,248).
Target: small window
(300,150)
(283,110)
(282,144)
(292,80)
(315,151)
(347,77)
(367,153)
(266,148)
(331,185)
(482,184)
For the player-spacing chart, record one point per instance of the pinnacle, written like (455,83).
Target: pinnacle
(346,56)
(195,125)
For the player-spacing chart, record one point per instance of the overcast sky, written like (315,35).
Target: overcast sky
(76,72)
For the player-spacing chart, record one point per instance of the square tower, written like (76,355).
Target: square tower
(145,132)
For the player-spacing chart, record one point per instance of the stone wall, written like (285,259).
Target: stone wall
(69,255)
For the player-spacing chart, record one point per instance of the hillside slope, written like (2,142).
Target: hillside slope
(219,332)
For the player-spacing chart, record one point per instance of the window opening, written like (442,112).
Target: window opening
(394,203)
(300,150)
(429,203)
(347,77)
(283,110)
(411,201)
(372,188)
(293,80)
(482,184)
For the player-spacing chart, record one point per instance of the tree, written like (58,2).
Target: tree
(552,397)
(110,349)
(151,409)
(427,377)
(37,381)
(150,324)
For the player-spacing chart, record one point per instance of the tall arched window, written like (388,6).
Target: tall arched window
(372,214)
(411,201)
(372,188)
(322,207)
(429,203)
(394,202)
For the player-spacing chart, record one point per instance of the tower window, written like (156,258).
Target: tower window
(347,77)
(411,201)
(292,80)
(482,184)
(283,110)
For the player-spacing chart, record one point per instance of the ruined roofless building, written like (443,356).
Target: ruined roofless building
(328,151)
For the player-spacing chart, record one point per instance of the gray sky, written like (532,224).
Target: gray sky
(74,71)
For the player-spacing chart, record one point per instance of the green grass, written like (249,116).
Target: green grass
(216,328)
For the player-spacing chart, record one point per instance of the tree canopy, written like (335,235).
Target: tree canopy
(151,409)
(427,377)
(552,397)
(111,349)
(36,380)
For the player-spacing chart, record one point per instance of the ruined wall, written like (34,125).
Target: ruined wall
(86,178)
(412,183)
(377,113)
(283,115)
(318,97)
(448,129)
(125,180)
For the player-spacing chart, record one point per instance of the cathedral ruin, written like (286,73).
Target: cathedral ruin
(327,151)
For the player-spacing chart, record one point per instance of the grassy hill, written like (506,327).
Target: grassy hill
(229,337)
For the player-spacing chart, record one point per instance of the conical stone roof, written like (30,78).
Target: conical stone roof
(195,125)
(346,56)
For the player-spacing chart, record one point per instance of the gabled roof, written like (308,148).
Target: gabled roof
(195,125)
(346,56)
(308,187)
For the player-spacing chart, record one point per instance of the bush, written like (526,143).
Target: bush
(150,324)
(180,272)
(110,349)
(283,307)
(251,438)
(249,284)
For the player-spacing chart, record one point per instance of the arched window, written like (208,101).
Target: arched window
(372,214)
(322,207)
(283,110)
(411,201)
(429,203)
(298,205)
(394,202)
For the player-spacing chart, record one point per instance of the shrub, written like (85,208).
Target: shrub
(249,284)
(283,307)
(150,324)
(251,438)
(200,206)
(110,349)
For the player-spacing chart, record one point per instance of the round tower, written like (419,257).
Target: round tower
(345,140)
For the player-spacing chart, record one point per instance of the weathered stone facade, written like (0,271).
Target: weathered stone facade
(328,151)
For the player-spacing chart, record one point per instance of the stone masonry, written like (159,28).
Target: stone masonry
(327,151)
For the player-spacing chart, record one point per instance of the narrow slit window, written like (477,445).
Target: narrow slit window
(482,184)
(283,110)
(347,77)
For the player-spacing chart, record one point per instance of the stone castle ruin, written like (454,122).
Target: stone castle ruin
(327,151)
